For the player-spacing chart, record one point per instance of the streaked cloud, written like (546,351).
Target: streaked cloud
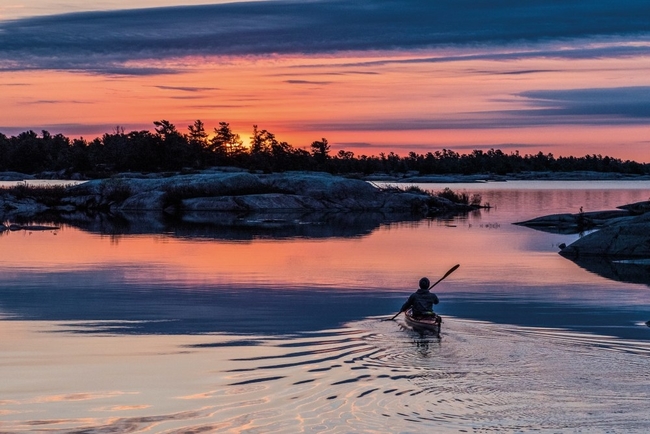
(581,50)
(598,106)
(218,106)
(89,130)
(307,82)
(187,88)
(114,42)
(356,145)
(54,102)
(621,102)
(423,148)
(532,71)
(15,9)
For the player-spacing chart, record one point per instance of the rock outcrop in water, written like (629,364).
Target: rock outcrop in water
(575,223)
(626,240)
(246,192)
(224,198)
(623,233)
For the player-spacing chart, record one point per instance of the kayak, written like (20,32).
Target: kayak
(423,324)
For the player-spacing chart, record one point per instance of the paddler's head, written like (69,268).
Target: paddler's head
(424,283)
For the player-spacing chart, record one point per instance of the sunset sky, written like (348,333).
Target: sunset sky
(568,77)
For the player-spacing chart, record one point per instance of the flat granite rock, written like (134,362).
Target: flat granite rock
(191,197)
(628,238)
(621,233)
(623,240)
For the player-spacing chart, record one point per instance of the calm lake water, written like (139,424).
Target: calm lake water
(196,330)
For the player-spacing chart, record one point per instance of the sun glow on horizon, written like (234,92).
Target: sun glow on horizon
(366,103)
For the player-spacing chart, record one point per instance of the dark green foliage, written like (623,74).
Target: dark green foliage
(115,190)
(167,149)
(225,142)
(320,150)
(448,193)
(415,189)
(406,188)
(29,153)
(461,197)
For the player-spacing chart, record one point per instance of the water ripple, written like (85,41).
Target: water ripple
(479,375)
(379,376)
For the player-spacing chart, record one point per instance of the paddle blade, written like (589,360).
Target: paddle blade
(451,270)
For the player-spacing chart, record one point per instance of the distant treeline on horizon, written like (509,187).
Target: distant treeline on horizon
(168,149)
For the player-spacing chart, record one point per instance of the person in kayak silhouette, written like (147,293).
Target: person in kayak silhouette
(421,301)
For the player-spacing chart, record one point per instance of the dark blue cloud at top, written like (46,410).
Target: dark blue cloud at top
(104,41)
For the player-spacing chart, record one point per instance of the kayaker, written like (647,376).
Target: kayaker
(421,301)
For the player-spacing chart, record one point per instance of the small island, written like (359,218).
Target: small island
(617,234)
(223,197)
(202,177)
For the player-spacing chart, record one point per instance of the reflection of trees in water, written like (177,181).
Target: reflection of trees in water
(630,271)
(234,226)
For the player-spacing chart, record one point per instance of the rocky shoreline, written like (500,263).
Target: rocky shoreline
(617,234)
(297,202)
(225,198)
(415,177)
(408,177)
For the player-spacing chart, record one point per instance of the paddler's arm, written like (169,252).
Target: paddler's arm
(408,304)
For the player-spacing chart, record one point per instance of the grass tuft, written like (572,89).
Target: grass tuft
(462,197)
(49,195)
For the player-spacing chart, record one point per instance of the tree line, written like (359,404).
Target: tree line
(168,149)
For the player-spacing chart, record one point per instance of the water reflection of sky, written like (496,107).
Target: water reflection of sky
(508,274)
(176,333)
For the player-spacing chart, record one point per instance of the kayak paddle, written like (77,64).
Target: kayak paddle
(451,270)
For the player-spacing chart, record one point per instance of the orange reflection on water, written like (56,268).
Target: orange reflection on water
(490,249)
(392,257)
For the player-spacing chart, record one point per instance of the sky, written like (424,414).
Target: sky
(567,77)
